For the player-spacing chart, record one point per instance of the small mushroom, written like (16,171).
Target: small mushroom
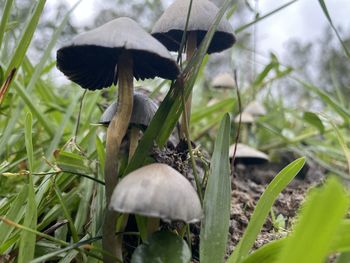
(171,25)
(115,52)
(247,155)
(157,191)
(245,118)
(142,113)
(223,81)
(255,108)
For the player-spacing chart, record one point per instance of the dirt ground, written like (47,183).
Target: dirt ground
(248,183)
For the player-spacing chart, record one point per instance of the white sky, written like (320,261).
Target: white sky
(303,20)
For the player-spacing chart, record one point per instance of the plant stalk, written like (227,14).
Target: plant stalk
(115,134)
(191,47)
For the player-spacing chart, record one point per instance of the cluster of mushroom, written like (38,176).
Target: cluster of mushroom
(244,154)
(116,52)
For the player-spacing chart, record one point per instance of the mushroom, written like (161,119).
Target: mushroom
(115,52)
(255,108)
(247,120)
(142,113)
(171,25)
(247,155)
(157,191)
(224,81)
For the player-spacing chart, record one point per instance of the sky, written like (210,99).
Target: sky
(303,21)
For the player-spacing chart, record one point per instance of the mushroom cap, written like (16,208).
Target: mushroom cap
(142,112)
(157,190)
(223,80)
(246,118)
(90,60)
(170,26)
(248,155)
(255,108)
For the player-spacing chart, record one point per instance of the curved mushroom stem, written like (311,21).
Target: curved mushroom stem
(115,134)
(191,46)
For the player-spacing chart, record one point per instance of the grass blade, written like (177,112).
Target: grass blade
(27,240)
(15,213)
(204,112)
(4,19)
(271,251)
(326,13)
(320,218)
(329,101)
(343,144)
(263,207)
(242,28)
(26,38)
(67,215)
(28,140)
(59,132)
(217,200)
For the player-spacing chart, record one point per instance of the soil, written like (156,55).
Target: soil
(248,184)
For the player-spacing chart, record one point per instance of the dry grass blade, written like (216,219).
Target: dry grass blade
(4,88)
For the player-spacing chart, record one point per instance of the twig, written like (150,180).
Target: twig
(240,119)
(79,115)
(187,134)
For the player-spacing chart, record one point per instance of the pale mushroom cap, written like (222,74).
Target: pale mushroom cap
(255,108)
(142,112)
(90,59)
(170,26)
(246,118)
(223,80)
(157,190)
(247,154)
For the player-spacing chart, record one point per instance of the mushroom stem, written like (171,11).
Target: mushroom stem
(115,134)
(152,225)
(245,136)
(191,46)
(134,141)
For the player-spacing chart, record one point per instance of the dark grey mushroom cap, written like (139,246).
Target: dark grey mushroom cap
(170,26)
(142,112)
(248,155)
(157,190)
(90,59)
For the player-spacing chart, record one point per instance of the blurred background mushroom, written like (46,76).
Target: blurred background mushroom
(247,121)
(255,108)
(223,81)
(247,155)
